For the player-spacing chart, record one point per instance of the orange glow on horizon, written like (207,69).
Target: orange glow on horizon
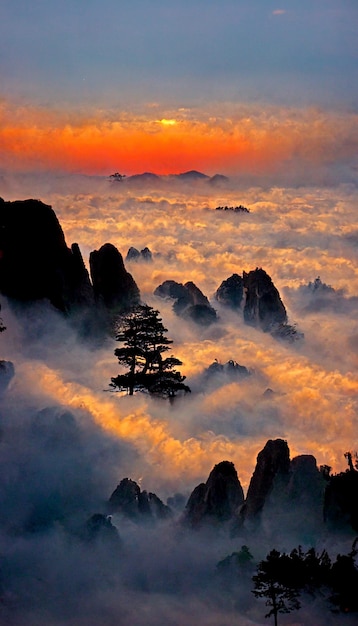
(36,139)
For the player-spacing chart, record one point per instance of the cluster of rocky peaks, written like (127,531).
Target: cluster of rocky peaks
(149,178)
(284,491)
(277,483)
(231,370)
(36,264)
(252,294)
(139,255)
(291,495)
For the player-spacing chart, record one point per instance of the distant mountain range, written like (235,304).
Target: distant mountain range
(192,176)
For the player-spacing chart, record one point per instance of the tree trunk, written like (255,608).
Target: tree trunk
(274,604)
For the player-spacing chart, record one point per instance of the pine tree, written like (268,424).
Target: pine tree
(144,342)
(271,583)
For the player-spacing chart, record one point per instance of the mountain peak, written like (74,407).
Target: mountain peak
(192,175)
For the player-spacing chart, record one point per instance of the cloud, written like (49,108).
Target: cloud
(272,143)
(66,443)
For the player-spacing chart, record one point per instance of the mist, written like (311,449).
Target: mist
(67,441)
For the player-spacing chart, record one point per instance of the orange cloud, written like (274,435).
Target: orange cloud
(180,459)
(263,142)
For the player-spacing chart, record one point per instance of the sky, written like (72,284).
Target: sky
(96,87)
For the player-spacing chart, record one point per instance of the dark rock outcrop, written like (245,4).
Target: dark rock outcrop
(143,255)
(233,209)
(217,500)
(190,302)
(231,370)
(263,306)
(255,296)
(146,254)
(283,493)
(35,262)
(176,291)
(272,467)
(36,265)
(113,286)
(341,500)
(305,494)
(7,372)
(231,292)
(196,296)
(128,500)
(81,289)
(286,332)
(99,528)
(304,476)
(133,254)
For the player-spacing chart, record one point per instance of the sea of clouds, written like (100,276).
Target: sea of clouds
(295,235)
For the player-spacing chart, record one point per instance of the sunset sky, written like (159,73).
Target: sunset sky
(235,86)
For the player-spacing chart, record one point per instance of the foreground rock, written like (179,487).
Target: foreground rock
(113,286)
(35,262)
(37,265)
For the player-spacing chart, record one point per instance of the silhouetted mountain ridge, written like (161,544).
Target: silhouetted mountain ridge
(189,177)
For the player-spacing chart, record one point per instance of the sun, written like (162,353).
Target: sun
(166,122)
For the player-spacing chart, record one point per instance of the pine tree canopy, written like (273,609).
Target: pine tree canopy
(143,338)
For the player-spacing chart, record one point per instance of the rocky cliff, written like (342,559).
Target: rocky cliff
(284,494)
(189,301)
(273,465)
(217,500)
(341,500)
(254,296)
(113,286)
(36,264)
(263,305)
(231,292)
(128,500)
